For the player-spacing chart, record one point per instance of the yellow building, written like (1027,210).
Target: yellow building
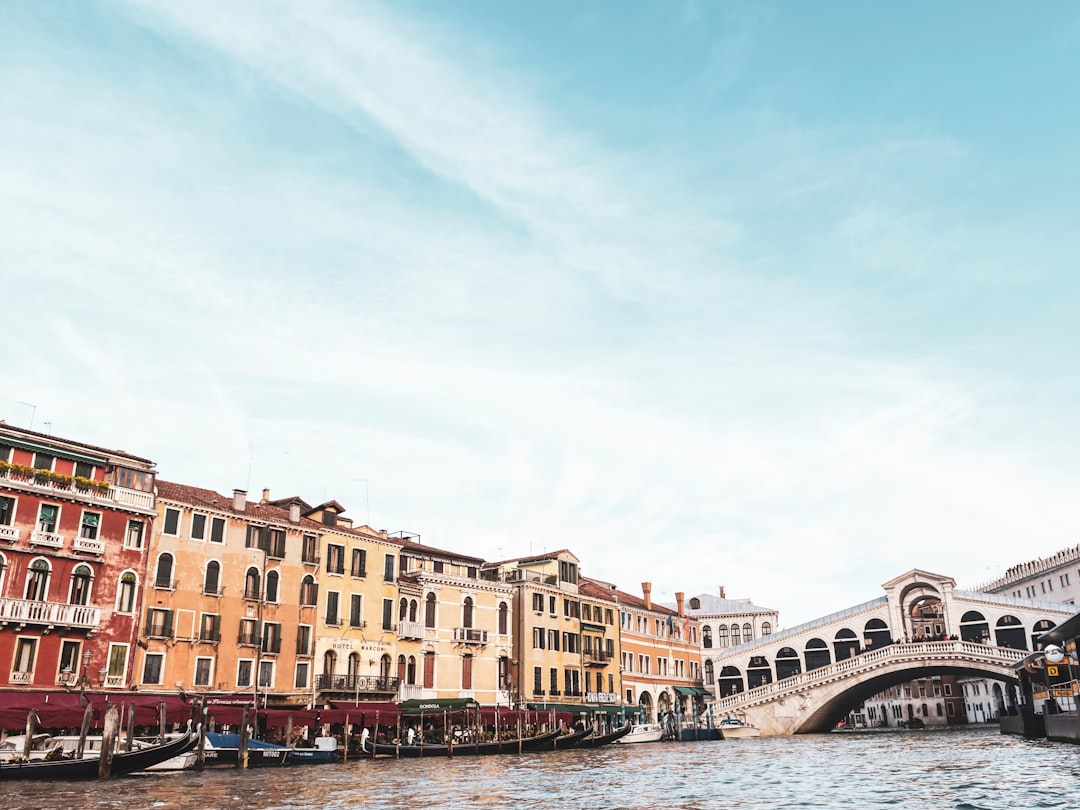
(225,614)
(455,634)
(548,645)
(353,582)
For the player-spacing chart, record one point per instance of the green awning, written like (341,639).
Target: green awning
(692,691)
(437,705)
(593,628)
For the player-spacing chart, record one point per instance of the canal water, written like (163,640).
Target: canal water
(963,769)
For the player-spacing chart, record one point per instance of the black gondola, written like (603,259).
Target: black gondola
(597,740)
(463,749)
(88,767)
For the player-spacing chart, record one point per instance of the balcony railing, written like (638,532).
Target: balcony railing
(9,533)
(26,611)
(411,691)
(91,545)
(112,495)
(410,630)
(596,659)
(50,539)
(21,677)
(469,635)
(351,684)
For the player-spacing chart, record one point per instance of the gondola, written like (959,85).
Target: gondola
(597,740)
(462,749)
(563,741)
(88,767)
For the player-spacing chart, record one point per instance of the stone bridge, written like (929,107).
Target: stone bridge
(806,678)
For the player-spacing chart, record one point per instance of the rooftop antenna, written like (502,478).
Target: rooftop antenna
(33,410)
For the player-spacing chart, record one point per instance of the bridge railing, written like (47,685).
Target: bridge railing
(788,632)
(894,652)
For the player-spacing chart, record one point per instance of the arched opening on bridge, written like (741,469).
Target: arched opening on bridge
(973,627)
(730,682)
(927,618)
(876,634)
(817,654)
(846,644)
(787,663)
(1010,633)
(1041,626)
(758,672)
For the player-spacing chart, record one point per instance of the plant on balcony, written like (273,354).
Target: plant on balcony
(86,484)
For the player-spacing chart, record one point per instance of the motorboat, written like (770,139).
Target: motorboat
(642,733)
(732,728)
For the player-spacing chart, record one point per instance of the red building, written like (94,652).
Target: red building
(74,524)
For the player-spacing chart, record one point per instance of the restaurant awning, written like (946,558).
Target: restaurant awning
(433,705)
(693,691)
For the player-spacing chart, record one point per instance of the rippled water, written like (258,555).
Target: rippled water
(966,769)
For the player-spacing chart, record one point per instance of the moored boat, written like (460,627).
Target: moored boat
(224,749)
(598,740)
(87,767)
(642,733)
(461,749)
(732,728)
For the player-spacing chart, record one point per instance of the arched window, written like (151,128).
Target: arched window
(412,610)
(709,671)
(467,612)
(252,582)
(329,662)
(401,668)
(125,594)
(736,635)
(721,636)
(385,663)
(706,636)
(766,629)
(403,609)
(429,610)
(163,575)
(504,619)
(747,632)
(37,581)
(212,579)
(81,579)
(354,664)
(410,672)
(309,591)
(273,578)
(695,604)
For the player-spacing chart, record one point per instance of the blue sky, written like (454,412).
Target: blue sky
(775,296)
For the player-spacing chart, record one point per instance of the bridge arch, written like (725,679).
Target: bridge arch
(729,682)
(788,663)
(974,627)
(1009,632)
(845,644)
(759,672)
(876,634)
(816,654)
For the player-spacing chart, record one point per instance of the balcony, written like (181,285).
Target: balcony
(9,533)
(165,584)
(596,659)
(468,635)
(411,691)
(410,630)
(356,684)
(40,538)
(21,677)
(249,639)
(91,545)
(93,492)
(26,611)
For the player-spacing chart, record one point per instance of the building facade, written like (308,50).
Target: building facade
(74,524)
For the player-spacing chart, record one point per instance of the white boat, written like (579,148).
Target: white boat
(642,733)
(732,728)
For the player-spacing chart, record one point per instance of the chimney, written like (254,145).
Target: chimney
(646,590)
(294,513)
(239,500)
(266,495)
(679,603)
(722,595)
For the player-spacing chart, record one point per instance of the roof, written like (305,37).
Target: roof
(711,604)
(594,590)
(209,499)
(45,438)
(546,556)
(638,602)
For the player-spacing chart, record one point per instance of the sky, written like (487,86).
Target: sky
(775,296)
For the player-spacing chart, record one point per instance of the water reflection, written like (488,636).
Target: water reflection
(969,769)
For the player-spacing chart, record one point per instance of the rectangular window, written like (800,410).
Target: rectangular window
(335,559)
(303,639)
(333,615)
(470,572)
(437,566)
(538,638)
(538,602)
(553,680)
(91,522)
(359,562)
(466,671)
(266,674)
(275,543)
(210,627)
(551,604)
(538,681)
(244,669)
(217,530)
(387,614)
(271,640)
(429,670)
(117,667)
(203,669)
(310,550)
(47,517)
(153,668)
(69,658)
(25,653)
(249,632)
(568,572)
(388,568)
(303,670)
(134,536)
(172,522)
(254,537)
(198,527)
(356,610)
(159,623)
(7,511)
(43,461)
(553,639)
(84,470)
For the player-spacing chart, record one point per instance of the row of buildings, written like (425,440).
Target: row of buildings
(113,579)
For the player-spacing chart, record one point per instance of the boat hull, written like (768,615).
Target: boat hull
(643,733)
(123,762)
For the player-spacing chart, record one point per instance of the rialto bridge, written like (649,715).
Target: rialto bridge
(806,678)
